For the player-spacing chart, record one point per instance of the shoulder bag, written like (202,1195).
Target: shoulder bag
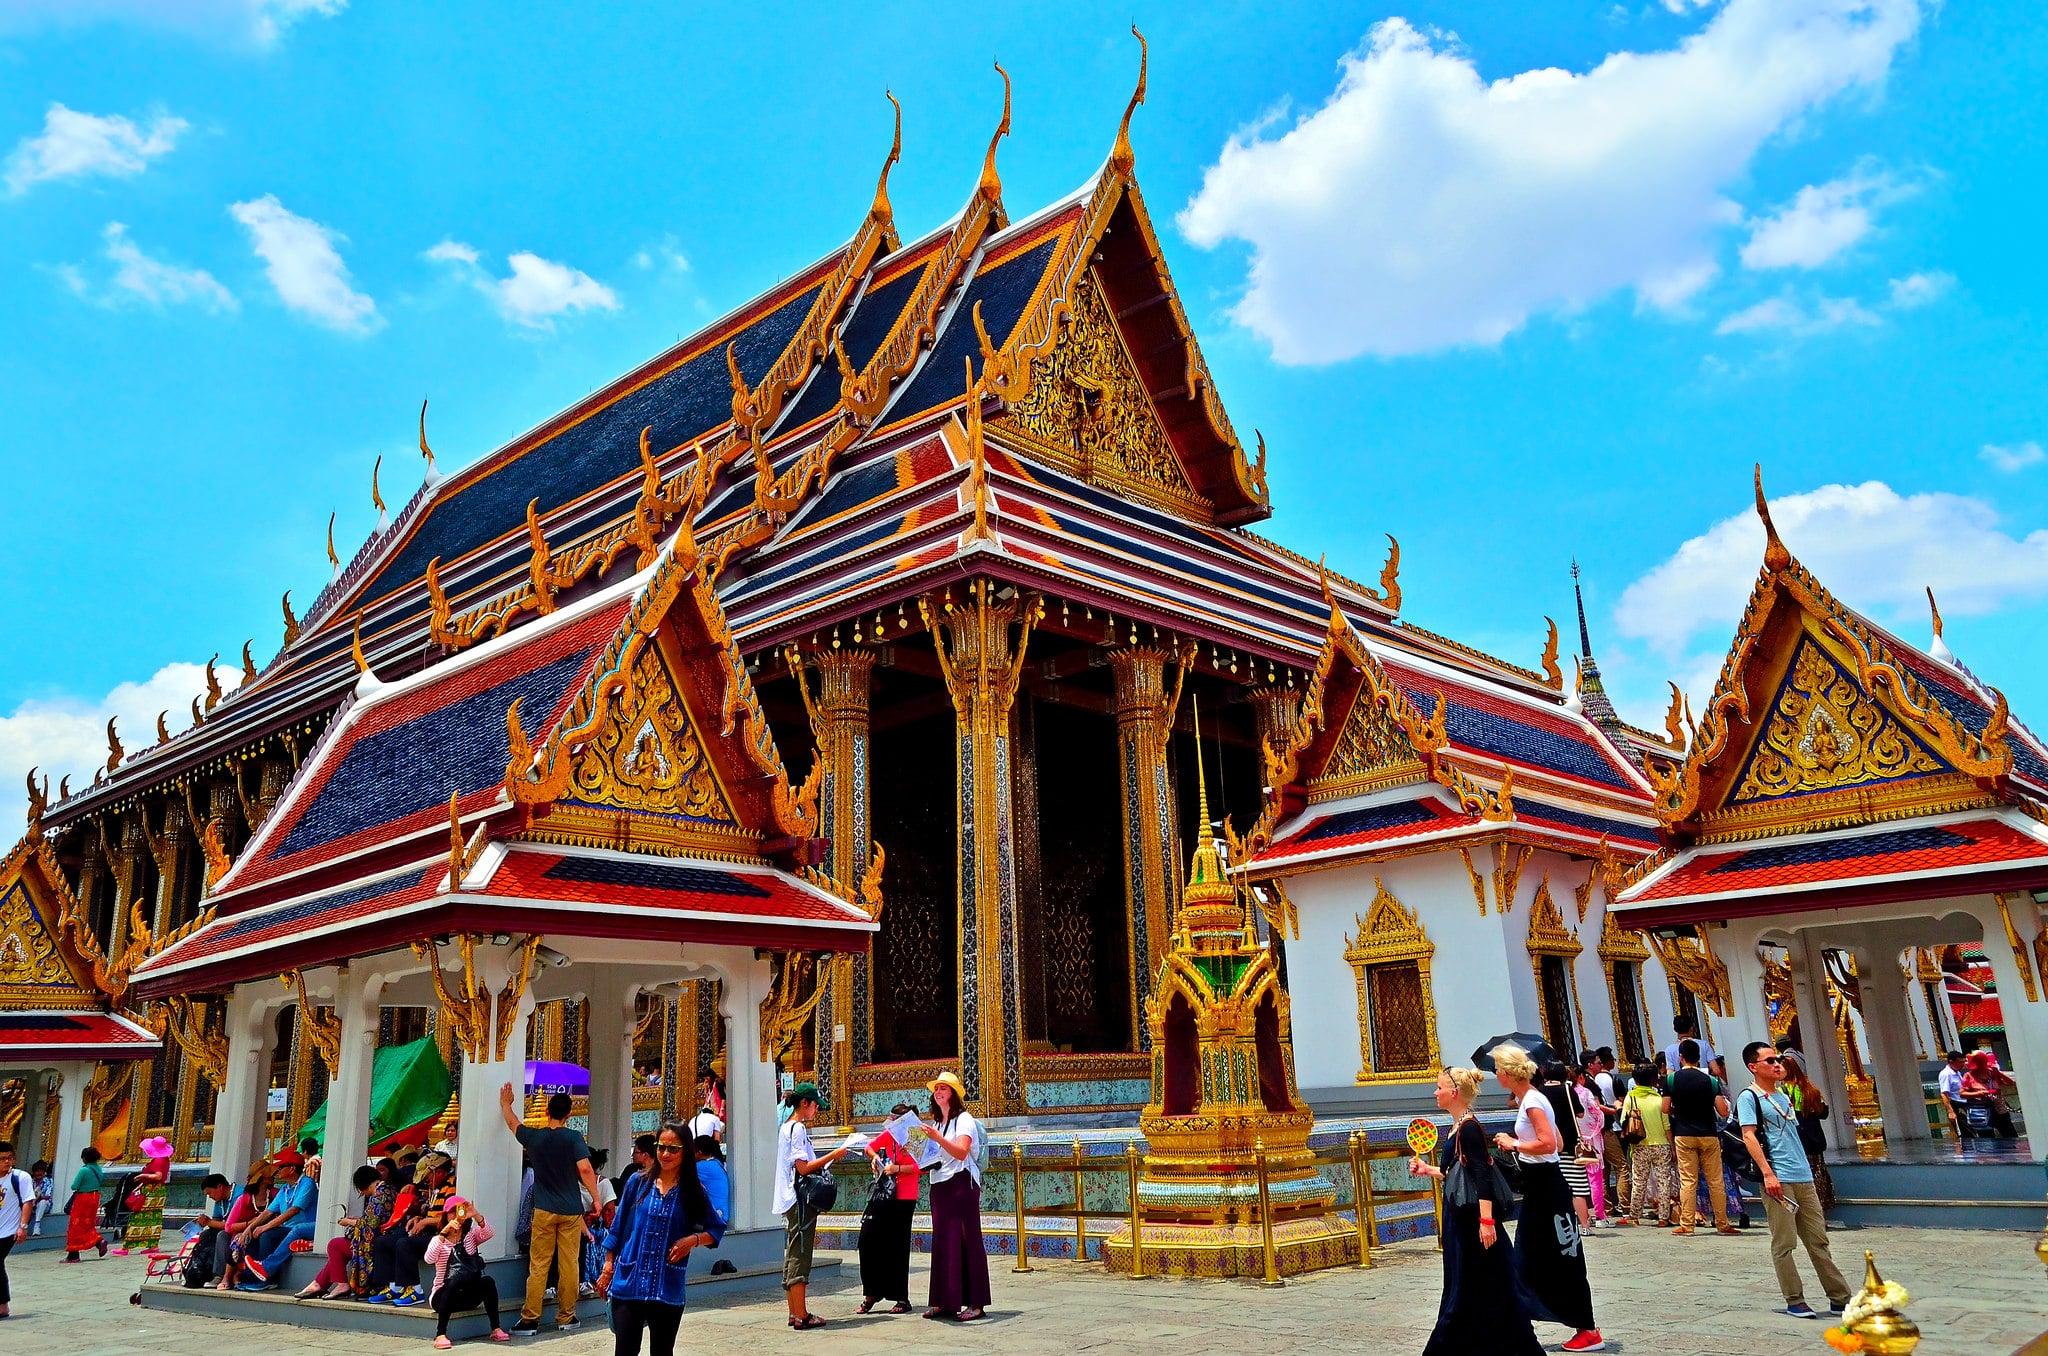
(816,1192)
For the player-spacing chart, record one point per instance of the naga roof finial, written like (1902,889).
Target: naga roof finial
(425,451)
(332,559)
(213,688)
(1553,676)
(114,749)
(1939,649)
(1776,557)
(163,729)
(377,495)
(291,623)
(992,183)
(882,211)
(38,801)
(355,646)
(1121,156)
(248,664)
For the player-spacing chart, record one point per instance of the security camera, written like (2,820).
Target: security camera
(552,957)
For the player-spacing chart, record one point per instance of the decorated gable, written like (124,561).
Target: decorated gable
(1371,750)
(39,968)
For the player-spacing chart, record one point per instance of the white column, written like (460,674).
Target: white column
(750,1098)
(239,1110)
(488,1172)
(358,997)
(2026,1023)
(1817,1031)
(611,1064)
(1888,1024)
(74,1132)
(1749,1017)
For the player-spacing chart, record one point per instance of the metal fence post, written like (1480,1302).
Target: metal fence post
(1080,1208)
(1137,1216)
(1017,1176)
(1272,1258)
(1361,1199)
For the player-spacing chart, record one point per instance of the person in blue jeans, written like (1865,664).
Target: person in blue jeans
(290,1218)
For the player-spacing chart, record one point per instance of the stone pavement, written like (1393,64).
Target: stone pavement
(1975,1293)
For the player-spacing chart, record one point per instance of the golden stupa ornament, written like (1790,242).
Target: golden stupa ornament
(1875,1322)
(1223,1096)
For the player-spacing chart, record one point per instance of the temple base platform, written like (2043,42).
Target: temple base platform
(1979,1184)
(1219,1251)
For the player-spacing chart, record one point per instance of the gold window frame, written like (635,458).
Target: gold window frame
(1390,933)
(1549,936)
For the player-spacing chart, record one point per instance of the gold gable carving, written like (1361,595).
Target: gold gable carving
(1088,412)
(1548,935)
(647,754)
(1823,733)
(1389,931)
(28,953)
(1371,751)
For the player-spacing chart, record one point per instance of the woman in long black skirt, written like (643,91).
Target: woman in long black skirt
(1550,1257)
(885,1224)
(1481,1313)
(959,1263)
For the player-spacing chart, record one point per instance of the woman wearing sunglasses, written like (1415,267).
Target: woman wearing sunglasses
(663,1217)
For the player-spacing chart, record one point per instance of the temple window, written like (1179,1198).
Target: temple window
(1623,952)
(1389,958)
(1553,948)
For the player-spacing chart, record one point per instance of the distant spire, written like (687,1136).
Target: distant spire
(1585,640)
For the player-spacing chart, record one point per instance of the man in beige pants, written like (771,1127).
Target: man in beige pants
(1790,1199)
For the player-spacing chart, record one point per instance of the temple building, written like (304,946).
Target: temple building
(814,701)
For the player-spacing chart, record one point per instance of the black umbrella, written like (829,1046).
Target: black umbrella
(1535,1047)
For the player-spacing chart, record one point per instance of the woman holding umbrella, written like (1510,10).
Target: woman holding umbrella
(1549,1254)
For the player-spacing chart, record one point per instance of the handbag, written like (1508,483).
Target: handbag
(816,1192)
(464,1266)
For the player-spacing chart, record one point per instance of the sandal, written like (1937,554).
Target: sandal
(808,1322)
(970,1315)
(902,1307)
(867,1305)
(442,1343)
(942,1315)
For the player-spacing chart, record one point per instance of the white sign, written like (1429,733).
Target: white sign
(280,1100)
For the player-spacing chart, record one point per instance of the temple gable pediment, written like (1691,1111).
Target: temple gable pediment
(39,966)
(649,755)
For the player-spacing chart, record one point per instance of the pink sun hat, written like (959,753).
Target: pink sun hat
(156,1146)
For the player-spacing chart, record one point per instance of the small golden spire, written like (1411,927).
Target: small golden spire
(1776,557)
(1390,575)
(114,749)
(991,186)
(425,451)
(213,690)
(291,623)
(882,212)
(1121,156)
(1553,676)
(1934,608)
(248,665)
(332,559)
(355,646)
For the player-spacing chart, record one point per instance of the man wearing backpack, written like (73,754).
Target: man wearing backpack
(17,1208)
(1771,1131)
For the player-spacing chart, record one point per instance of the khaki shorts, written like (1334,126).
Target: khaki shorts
(800,1235)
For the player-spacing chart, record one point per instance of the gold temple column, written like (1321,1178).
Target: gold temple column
(839,721)
(127,876)
(1144,724)
(981,669)
(273,775)
(680,1046)
(168,848)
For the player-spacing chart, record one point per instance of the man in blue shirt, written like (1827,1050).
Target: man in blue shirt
(1771,1132)
(289,1218)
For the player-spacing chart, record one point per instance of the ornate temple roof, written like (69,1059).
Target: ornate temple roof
(1836,763)
(56,985)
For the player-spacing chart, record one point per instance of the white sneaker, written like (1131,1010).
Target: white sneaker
(550,1294)
(586,1291)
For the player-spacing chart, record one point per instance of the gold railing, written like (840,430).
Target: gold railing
(1354,1152)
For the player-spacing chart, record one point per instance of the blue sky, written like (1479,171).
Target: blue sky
(1514,283)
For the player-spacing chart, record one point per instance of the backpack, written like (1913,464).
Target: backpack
(464,1266)
(1632,1131)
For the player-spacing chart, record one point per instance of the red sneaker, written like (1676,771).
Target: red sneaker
(1589,1340)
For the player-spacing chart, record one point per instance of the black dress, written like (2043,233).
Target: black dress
(1550,1257)
(1482,1313)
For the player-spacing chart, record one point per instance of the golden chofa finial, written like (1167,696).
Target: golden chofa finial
(425,451)
(992,183)
(355,646)
(1390,575)
(377,495)
(1939,647)
(213,688)
(882,213)
(332,559)
(1121,157)
(1674,722)
(1553,676)
(163,728)
(1776,557)
(248,665)
(291,623)
(114,749)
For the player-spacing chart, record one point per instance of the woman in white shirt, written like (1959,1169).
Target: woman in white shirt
(959,1263)
(1548,1250)
(793,1160)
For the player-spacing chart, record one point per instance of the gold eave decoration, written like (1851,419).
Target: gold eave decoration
(1548,934)
(1690,960)
(1882,680)
(1618,943)
(321,1025)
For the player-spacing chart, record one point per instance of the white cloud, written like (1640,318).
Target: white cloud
(300,259)
(1873,547)
(1422,207)
(2014,456)
(535,292)
(257,22)
(74,145)
(137,277)
(1918,289)
(1821,221)
(68,735)
(1783,315)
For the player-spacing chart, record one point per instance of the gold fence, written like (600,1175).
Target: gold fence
(1354,1152)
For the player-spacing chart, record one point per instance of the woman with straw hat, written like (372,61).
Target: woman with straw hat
(959,1264)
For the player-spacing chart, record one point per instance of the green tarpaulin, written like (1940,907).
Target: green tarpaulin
(409,1086)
